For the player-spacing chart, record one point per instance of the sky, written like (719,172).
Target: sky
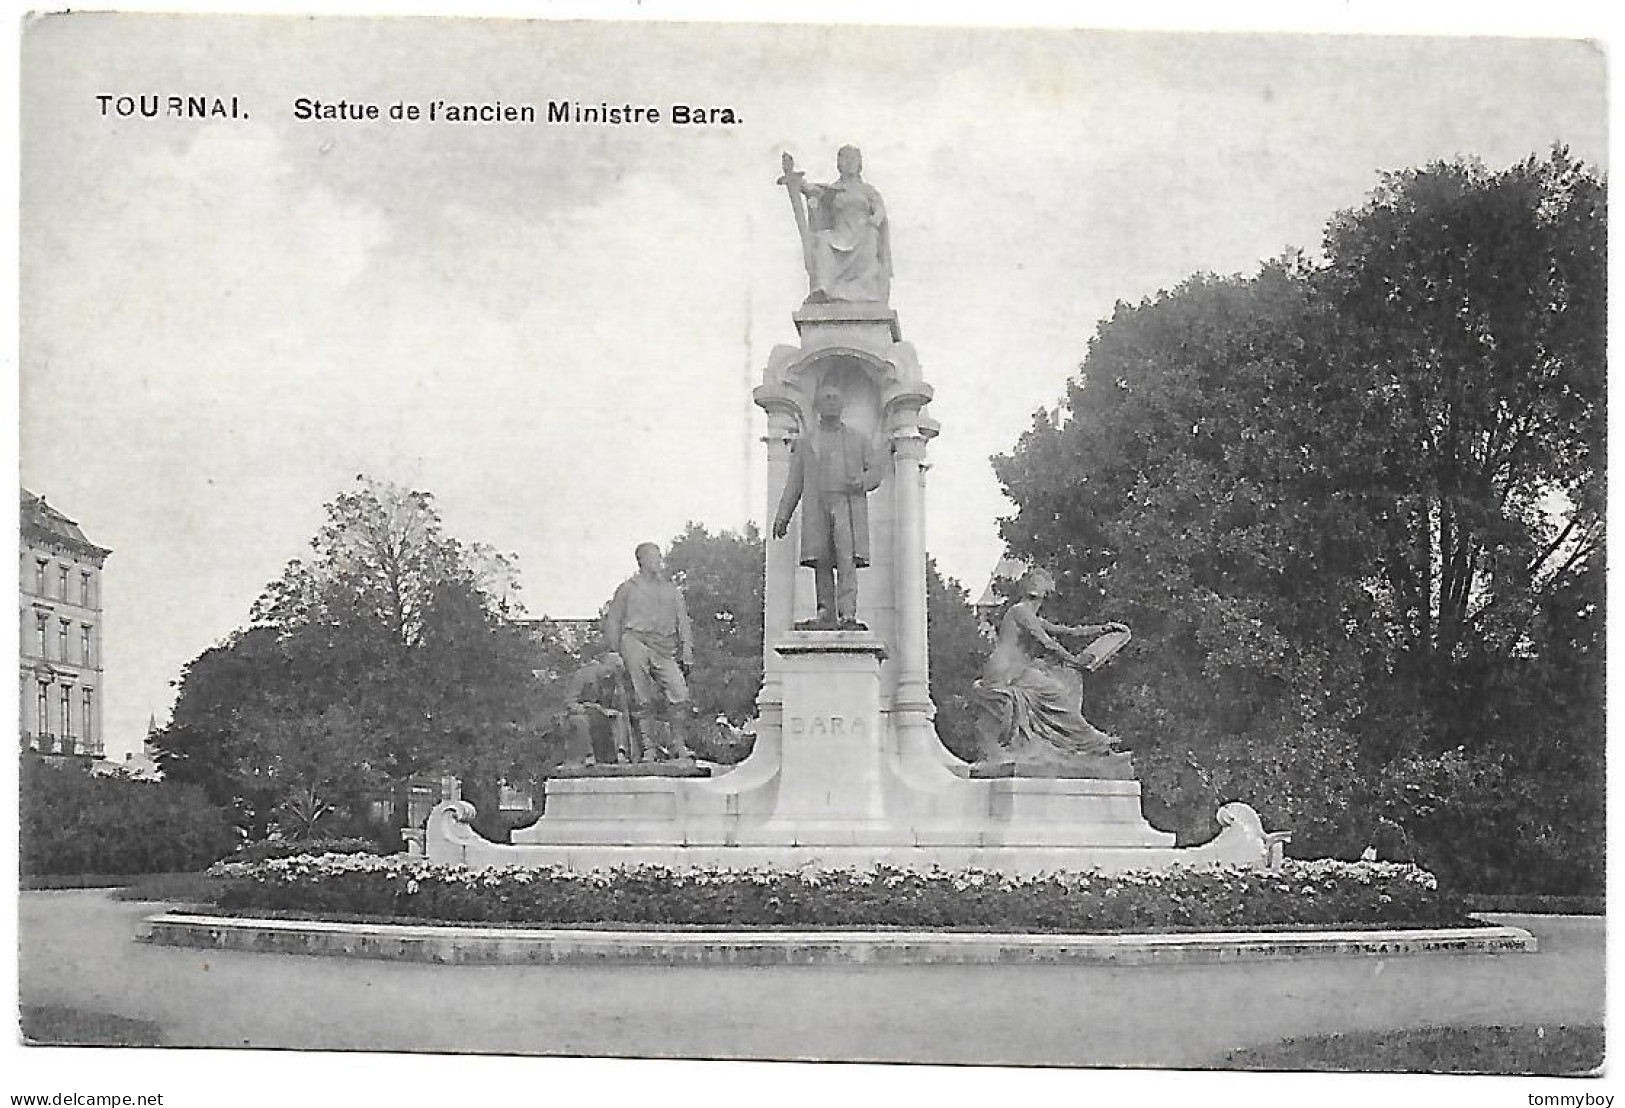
(555,330)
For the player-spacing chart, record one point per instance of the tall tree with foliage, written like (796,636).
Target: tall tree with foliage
(957,650)
(721,576)
(384,654)
(208,743)
(1477,301)
(1351,510)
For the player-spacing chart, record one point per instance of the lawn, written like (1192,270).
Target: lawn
(1557,1050)
(47,1026)
(181,888)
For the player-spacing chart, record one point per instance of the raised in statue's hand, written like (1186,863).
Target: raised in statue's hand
(792,176)
(781,528)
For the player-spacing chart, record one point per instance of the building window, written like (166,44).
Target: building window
(84,644)
(39,577)
(43,653)
(67,718)
(62,640)
(62,582)
(88,720)
(42,710)
(84,589)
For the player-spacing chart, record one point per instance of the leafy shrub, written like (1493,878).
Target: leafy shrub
(74,823)
(1301,894)
(721,743)
(266,849)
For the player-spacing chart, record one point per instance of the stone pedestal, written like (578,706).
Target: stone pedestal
(830,760)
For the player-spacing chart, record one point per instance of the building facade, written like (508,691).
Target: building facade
(571,634)
(1002,588)
(60,607)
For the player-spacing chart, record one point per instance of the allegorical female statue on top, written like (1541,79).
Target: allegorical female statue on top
(845,238)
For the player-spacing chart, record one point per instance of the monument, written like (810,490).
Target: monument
(847,769)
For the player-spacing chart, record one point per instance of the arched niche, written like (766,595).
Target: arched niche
(860,377)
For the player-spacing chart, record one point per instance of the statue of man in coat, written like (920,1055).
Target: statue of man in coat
(832,472)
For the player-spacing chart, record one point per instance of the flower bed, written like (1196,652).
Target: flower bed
(1317,894)
(266,849)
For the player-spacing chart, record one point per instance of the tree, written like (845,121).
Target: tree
(403,622)
(312,764)
(1476,307)
(1476,302)
(385,654)
(204,743)
(1350,510)
(957,650)
(721,577)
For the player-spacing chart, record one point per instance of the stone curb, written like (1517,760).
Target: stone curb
(521,946)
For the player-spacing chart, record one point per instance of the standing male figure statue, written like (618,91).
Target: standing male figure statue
(832,471)
(647,625)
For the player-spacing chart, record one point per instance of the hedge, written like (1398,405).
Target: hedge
(1301,894)
(75,823)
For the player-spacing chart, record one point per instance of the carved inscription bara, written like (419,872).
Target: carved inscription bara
(826,726)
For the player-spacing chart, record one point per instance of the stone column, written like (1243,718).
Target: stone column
(778,596)
(908,453)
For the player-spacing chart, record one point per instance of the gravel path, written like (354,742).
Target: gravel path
(76,951)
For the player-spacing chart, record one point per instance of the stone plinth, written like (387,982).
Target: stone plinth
(1109,767)
(684,767)
(1050,811)
(845,317)
(694,839)
(830,761)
